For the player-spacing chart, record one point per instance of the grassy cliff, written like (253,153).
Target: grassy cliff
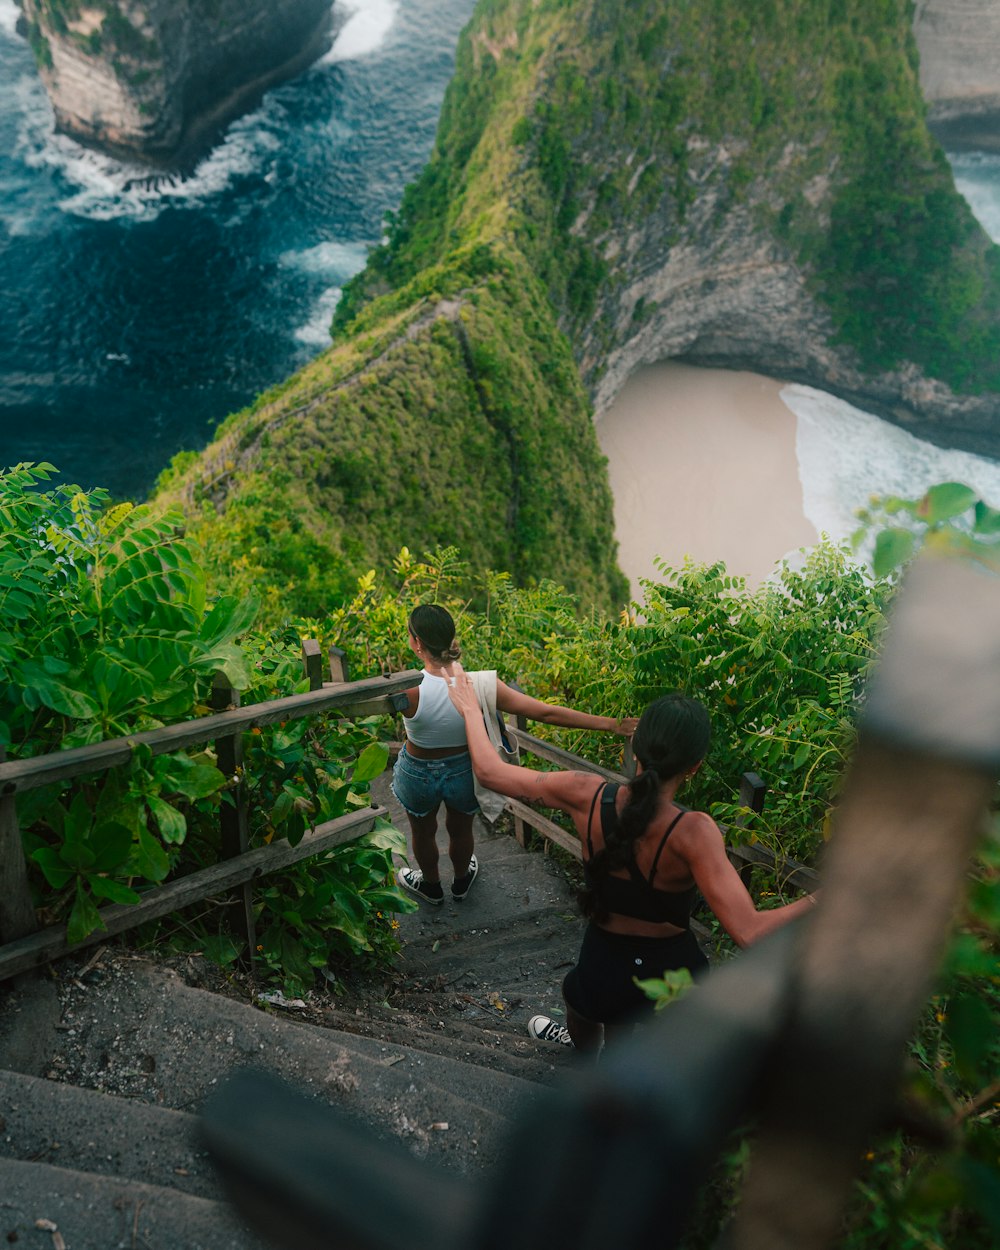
(453,406)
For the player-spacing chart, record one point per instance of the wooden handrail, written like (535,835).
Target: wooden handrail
(355,698)
(39,948)
(370,696)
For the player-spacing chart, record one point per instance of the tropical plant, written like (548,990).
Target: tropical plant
(108,631)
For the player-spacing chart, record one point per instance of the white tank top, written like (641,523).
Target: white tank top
(436,722)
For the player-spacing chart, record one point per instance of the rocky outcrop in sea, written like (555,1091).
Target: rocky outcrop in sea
(155,80)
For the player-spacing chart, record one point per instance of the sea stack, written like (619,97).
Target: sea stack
(154,80)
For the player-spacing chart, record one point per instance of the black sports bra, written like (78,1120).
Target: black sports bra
(635,896)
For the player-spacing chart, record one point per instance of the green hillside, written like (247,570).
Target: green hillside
(453,405)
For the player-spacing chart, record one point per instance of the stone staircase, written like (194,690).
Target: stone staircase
(105,1065)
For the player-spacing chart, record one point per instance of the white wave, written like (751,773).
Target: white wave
(977,178)
(332,260)
(368,22)
(9,13)
(341,260)
(107,188)
(846,456)
(316,331)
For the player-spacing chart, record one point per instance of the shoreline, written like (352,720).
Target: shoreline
(703,463)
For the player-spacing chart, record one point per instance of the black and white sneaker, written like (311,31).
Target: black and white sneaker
(545,1029)
(462,885)
(412,881)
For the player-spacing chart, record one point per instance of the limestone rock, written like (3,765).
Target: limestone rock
(960,70)
(155,79)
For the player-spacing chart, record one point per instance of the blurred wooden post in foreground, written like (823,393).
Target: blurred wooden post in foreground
(913,807)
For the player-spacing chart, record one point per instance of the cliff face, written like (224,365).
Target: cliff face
(616,182)
(154,79)
(751,190)
(960,70)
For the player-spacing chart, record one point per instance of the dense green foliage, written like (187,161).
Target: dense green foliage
(108,631)
(782,670)
(468,425)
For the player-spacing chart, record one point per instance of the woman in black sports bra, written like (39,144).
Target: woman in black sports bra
(645,859)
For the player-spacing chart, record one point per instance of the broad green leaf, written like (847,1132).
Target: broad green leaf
(55,871)
(229,618)
(69,702)
(221,949)
(387,839)
(150,858)
(78,820)
(893,547)
(971,1029)
(227,658)
(114,891)
(84,918)
(371,763)
(171,822)
(76,855)
(334,801)
(112,845)
(200,781)
(987,519)
(944,501)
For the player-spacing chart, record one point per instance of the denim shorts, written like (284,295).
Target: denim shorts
(423,785)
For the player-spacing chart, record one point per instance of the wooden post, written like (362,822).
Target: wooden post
(628,759)
(912,808)
(752,792)
(17,912)
(338,665)
(234,830)
(312,663)
(520,828)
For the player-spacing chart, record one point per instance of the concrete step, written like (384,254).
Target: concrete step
(143,1034)
(40,1203)
(80,1129)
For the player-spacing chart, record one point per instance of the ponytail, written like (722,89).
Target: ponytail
(672,736)
(433,626)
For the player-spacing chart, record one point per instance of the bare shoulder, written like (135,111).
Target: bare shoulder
(412,700)
(696,834)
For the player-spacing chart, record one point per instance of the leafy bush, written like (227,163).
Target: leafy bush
(108,632)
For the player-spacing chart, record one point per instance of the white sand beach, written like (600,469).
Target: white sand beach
(702,462)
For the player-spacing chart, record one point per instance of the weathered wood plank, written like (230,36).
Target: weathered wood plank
(233,816)
(556,755)
(312,662)
(568,841)
(787,870)
(368,697)
(17,913)
(48,944)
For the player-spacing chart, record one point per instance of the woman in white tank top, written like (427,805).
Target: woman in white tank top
(434,766)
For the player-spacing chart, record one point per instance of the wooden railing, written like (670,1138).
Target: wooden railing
(25,946)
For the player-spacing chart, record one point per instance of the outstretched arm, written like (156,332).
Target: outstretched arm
(518,704)
(570,791)
(698,840)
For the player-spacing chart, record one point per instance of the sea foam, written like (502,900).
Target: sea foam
(367,25)
(846,456)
